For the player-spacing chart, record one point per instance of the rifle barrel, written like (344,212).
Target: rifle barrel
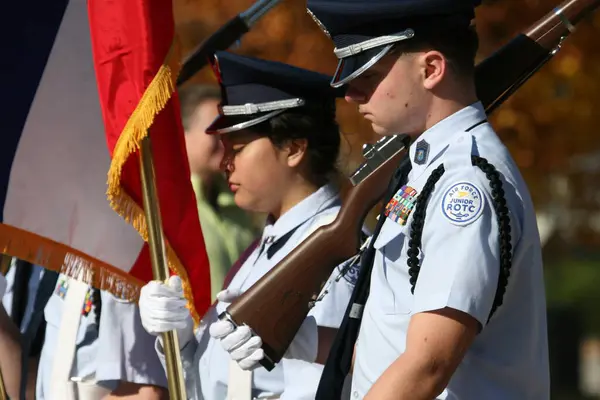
(558,23)
(517,61)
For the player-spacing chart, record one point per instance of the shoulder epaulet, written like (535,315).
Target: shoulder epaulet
(459,152)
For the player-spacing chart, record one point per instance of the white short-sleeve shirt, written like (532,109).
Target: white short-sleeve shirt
(459,262)
(207,370)
(119,349)
(125,349)
(86,349)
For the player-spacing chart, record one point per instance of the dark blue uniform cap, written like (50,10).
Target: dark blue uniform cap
(255,90)
(364,31)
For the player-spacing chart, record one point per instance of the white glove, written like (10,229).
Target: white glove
(3,285)
(240,343)
(163,308)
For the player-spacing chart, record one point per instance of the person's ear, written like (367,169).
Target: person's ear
(296,151)
(433,65)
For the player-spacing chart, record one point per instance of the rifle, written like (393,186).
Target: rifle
(277,304)
(227,35)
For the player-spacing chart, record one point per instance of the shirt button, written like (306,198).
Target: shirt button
(355,394)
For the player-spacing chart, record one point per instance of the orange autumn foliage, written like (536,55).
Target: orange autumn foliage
(550,120)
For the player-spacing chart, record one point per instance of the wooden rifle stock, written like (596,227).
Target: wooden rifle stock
(277,304)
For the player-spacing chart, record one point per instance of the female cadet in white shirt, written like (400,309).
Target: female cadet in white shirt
(281,144)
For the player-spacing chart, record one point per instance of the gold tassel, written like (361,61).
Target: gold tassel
(154,99)
(65,260)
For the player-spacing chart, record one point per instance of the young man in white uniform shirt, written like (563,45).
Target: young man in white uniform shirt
(457,305)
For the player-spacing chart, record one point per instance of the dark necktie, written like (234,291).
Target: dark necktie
(20,291)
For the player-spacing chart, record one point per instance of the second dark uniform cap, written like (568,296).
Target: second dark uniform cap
(254,90)
(365,31)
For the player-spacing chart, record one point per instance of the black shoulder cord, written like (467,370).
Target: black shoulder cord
(499,203)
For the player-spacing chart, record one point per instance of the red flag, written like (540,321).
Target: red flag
(137,59)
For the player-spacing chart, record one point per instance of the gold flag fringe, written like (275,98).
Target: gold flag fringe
(154,99)
(66,260)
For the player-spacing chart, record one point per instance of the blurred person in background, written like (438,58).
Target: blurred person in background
(22,281)
(10,349)
(226,228)
(94,346)
(106,356)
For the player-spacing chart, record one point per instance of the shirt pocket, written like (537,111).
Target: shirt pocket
(393,281)
(53,310)
(390,240)
(53,313)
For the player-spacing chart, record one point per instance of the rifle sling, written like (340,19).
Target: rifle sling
(339,360)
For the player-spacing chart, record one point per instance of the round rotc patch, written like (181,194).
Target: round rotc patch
(462,203)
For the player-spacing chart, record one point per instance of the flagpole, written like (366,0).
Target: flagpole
(3,395)
(160,269)
(4,266)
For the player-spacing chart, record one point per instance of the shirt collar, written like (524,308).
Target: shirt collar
(318,201)
(435,140)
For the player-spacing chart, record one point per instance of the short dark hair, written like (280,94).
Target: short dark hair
(459,46)
(317,124)
(191,96)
